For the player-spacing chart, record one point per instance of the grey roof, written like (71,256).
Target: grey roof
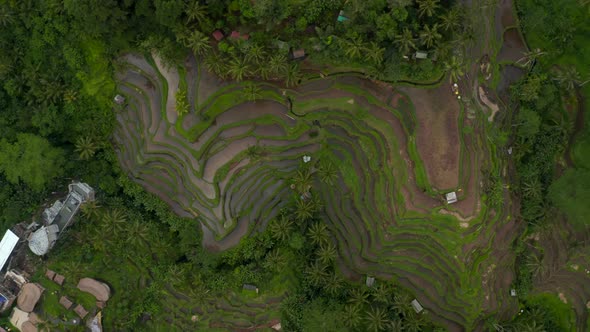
(43,239)
(421,55)
(417,306)
(51,212)
(370,281)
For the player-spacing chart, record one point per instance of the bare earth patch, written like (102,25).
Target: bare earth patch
(437,134)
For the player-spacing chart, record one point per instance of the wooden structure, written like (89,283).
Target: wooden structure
(80,311)
(65,302)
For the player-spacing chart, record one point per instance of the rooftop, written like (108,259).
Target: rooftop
(7,245)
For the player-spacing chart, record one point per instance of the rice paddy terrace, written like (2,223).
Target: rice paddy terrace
(229,162)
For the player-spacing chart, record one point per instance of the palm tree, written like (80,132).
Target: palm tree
(376,319)
(401,304)
(293,75)
(137,234)
(6,17)
(427,7)
(274,260)
(333,284)
(395,325)
(530,57)
(353,48)
(238,69)
(251,91)
(352,316)
(316,273)
(302,181)
(326,253)
(113,221)
(305,209)
(451,19)
(174,274)
(430,35)
(531,326)
(198,42)
(405,41)
(375,53)
(318,233)
(569,78)
(381,293)
(358,297)
(215,63)
(535,263)
(72,270)
(278,64)
(195,12)
(90,210)
(328,172)
(280,229)
(532,189)
(413,322)
(265,72)
(85,147)
(455,68)
(255,54)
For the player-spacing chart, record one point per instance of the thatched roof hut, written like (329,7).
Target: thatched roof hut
(28,297)
(100,290)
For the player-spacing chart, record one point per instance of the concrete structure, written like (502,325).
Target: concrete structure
(421,55)
(251,288)
(58,217)
(370,281)
(7,245)
(417,306)
(451,197)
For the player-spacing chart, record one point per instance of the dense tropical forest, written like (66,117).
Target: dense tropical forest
(58,61)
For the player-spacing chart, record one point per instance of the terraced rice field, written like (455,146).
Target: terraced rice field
(229,163)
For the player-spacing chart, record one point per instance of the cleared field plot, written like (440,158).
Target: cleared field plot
(230,161)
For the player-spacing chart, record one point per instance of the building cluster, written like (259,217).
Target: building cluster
(40,236)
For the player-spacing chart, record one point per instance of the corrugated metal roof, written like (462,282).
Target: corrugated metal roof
(7,245)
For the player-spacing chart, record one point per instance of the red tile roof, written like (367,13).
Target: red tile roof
(218,35)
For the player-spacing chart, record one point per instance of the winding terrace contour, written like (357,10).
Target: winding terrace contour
(385,208)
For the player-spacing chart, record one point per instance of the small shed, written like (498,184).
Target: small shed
(80,311)
(421,55)
(65,302)
(218,35)
(59,279)
(513,292)
(370,281)
(49,274)
(119,99)
(250,288)
(341,16)
(298,54)
(417,306)
(451,197)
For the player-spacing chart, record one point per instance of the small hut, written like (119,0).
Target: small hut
(370,281)
(217,35)
(65,302)
(417,306)
(251,288)
(451,197)
(80,311)
(49,274)
(421,55)
(298,54)
(59,279)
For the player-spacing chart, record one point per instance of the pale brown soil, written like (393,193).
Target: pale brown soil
(437,134)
